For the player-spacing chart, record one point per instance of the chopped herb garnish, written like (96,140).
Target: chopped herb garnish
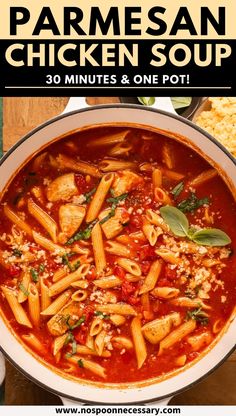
(76,325)
(176,191)
(34,275)
(80,363)
(17,252)
(192,203)
(74,347)
(41,268)
(69,338)
(71,267)
(101,315)
(198,315)
(115,201)
(83,234)
(23,289)
(109,215)
(89,194)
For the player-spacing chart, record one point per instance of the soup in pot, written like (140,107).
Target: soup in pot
(117,254)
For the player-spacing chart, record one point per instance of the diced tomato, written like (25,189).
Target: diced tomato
(92,274)
(88,312)
(136,221)
(147,253)
(170,274)
(133,300)
(119,272)
(80,183)
(164,282)
(14,270)
(127,288)
(145,267)
(80,336)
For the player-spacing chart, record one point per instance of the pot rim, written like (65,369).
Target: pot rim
(109,106)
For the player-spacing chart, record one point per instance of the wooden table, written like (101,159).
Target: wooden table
(20,115)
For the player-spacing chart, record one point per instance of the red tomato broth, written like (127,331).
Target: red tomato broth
(221,203)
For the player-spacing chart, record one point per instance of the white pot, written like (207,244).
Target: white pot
(96,393)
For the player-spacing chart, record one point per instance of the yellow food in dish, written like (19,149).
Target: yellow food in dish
(220,121)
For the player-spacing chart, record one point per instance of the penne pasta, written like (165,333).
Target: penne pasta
(171,174)
(150,232)
(65,162)
(157,220)
(190,303)
(59,343)
(157,178)
(80,295)
(108,139)
(99,342)
(217,326)
(34,305)
(44,219)
(99,197)
(117,320)
(131,278)
(81,284)
(168,256)
(17,309)
(98,248)
(121,342)
(203,177)
(66,281)
(139,343)
(12,216)
(162,196)
(96,327)
(33,342)
(23,286)
(165,292)
(152,277)
(112,165)
(88,365)
(108,282)
(120,149)
(168,156)
(130,266)
(177,335)
(47,244)
(45,298)
(118,308)
(84,350)
(118,249)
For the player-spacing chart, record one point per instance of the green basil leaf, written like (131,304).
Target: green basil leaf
(211,237)
(177,189)
(146,100)
(176,220)
(181,102)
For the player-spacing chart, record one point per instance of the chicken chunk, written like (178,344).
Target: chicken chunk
(70,218)
(62,188)
(71,313)
(126,181)
(114,225)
